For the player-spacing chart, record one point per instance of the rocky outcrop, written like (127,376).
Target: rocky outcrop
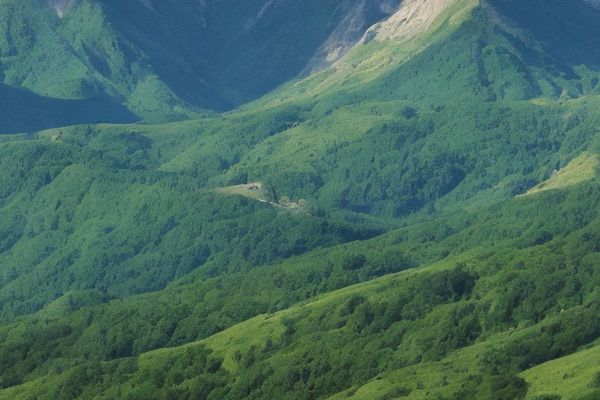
(414,17)
(60,6)
(349,31)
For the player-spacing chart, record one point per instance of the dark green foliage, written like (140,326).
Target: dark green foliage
(590,396)
(130,268)
(596,381)
(106,61)
(104,204)
(191,374)
(547,397)
(23,111)
(83,325)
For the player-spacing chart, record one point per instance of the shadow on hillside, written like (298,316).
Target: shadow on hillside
(560,25)
(22,111)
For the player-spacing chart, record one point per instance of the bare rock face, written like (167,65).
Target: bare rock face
(398,20)
(349,31)
(412,18)
(60,6)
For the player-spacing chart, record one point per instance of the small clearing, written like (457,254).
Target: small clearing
(250,190)
(256,191)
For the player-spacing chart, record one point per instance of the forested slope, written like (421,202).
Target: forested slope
(514,300)
(160,61)
(423,224)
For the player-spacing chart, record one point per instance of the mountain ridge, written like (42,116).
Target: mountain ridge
(130,52)
(446,169)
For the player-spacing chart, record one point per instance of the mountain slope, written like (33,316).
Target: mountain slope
(485,69)
(463,327)
(169,60)
(391,239)
(492,49)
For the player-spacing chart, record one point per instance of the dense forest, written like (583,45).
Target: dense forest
(421,220)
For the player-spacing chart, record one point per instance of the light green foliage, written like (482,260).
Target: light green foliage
(578,170)
(572,377)
(140,262)
(467,290)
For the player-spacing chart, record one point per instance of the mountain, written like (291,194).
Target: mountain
(400,202)
(170,60)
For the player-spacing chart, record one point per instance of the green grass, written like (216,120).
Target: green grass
(368,62)
(580,169)
(572,377)
(414,271)
(251,190)
(240,339)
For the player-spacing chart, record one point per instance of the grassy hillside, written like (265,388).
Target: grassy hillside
(500,252)
(570,377)
(465,326)
(486,49)
(419,221)
(94,198)
(578,170)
